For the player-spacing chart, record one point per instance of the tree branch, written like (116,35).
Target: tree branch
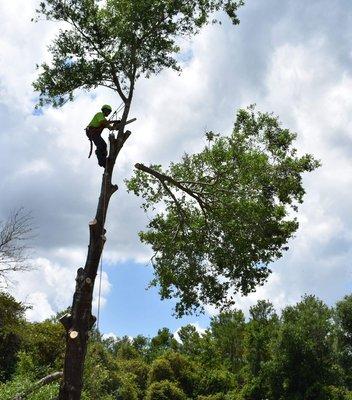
(162,178)
(42,382)
(117,84)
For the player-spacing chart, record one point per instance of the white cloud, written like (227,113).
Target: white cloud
(48,288)
(294,61)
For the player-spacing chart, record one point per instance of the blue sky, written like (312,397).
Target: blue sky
(290,58)
(131,309)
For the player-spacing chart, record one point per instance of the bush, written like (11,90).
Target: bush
(165,390)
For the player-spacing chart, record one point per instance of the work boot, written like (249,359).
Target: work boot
(101,159)
(102,163)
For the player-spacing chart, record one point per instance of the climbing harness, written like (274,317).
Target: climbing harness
(89,135)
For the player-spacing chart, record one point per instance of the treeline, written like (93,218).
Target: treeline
(303,354)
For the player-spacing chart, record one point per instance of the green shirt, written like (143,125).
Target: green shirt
(98,121)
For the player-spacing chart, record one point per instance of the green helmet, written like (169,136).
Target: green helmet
(106,107)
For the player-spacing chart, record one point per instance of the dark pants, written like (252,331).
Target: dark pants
(100,143)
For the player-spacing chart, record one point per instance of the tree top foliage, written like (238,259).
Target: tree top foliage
(226,212)
(114,43)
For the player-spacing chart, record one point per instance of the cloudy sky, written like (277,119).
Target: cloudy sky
(290,57)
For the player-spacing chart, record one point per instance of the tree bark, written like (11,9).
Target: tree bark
(80,321)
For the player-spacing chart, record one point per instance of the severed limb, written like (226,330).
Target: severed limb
(42,382)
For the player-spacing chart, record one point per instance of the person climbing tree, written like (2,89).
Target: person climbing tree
(95,129)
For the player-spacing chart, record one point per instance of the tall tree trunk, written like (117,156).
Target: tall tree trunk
(80,321)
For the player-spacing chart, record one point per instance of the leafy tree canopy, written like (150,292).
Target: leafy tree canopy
(226,211)
(113,44)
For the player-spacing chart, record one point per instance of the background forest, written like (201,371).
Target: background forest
(304,353)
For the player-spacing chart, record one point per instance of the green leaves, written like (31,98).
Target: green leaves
(225,212)
(115,43)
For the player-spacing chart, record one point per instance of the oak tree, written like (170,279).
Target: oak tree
(110,44)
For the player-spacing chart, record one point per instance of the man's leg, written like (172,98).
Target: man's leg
(101,150)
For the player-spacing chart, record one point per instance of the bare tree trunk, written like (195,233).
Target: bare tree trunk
(79,323)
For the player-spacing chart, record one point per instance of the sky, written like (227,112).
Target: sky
(292,58)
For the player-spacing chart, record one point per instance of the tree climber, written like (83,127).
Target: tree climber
(95,129)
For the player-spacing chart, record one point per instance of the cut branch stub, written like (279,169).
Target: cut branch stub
(73,334)
(92,321)
(66,321)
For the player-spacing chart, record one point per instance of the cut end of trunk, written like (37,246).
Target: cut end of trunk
(93,222)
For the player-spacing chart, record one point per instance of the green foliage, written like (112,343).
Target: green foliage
(19,385)
(215,381)
(118,41)
(163,341)
(334,393)
(174,367)
(191,341)
(161,370)
(126,349)
(97,377)
(227,212)
(11,327)
(127,389)
(343,317)
(260,338)
(228,331)
(304,361)
(297,356)
(45,342)
(218,396)
(165,390)
(139,369)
